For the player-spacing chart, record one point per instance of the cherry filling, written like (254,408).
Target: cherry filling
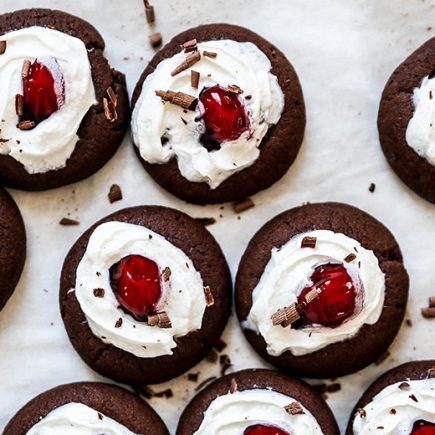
(422,427)
(135,280)
(336,299)
(261,429)
(224,116)
(40,90)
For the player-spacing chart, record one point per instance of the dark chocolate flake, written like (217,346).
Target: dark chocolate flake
(155,39)
(350,257)
(3,45)
(68,222)
(308,242)
(99,292)
(115,193)
(294,408)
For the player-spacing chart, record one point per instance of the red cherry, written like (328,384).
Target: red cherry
(261,429)
(135,280)
(336,300)
(224,116)
(39,89)
(422,427)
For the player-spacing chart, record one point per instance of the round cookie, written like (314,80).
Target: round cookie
(107,401)
(12,246)
(402,375)
(318,352)
(98,138)
(233,386)
(206,259)
(397,109)
(279,146)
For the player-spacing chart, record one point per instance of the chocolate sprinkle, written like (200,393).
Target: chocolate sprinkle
(162,320)
(99,292)
(308,242)
(68,222)
(115,193)
(294,408)
(150,14)
(181,99)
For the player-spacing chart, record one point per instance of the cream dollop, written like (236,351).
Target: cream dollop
(420,133)
(77,419)
(49,145)
(402,401)
(239,63)
(183,298)
(288,272)
(232,413)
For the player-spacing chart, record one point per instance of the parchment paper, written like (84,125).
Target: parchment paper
(343,51)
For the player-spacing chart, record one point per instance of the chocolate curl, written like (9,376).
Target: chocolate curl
(181,99)
(194,79)
(209,299)
(162,320)
(189,61)
(285,316)
(25,69)
(190,46)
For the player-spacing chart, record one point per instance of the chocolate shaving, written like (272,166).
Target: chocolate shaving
(190,46)
(243,205)
(209,299)
(166,274)
(372,187)
(109,110)
(68,222)
(150,14)
(181,99)
(233,386)
(112,96)
(162,320)
(235,89)
(349,258)
(432,302)
(193,377)
(19,105)
(412,397)
(188,62)
(286,316)
(311,295)
(26,125)
(205,382)
(118,323)
(294,408)
(100,416)
(206,221)
(404,386)
(26,68)
(3,45)
(362,412)
(194,78)
(155,39)
(308,242)
(115,193)
(428,312)
(210,54)
(99,292)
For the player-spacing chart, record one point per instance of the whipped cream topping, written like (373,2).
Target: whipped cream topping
(288,272)
(77,419)
(233,413)
(409,404)
(239,63)
(183,299)
(49,145)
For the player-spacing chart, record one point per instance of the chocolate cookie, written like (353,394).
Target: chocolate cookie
(302,398)
(98,137)
(180,235)
(403,374)
(277,149)
(108,401)
(349,295)
(396,110)
(12,246)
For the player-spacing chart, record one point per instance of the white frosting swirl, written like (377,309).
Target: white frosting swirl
(406,410)
(288,272)
(239,63)
(49,145)
(183,300)
(77,419)
(233,413)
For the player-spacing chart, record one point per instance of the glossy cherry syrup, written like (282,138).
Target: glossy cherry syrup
(422,427)
(135,280)
(224,116)
(261,429)
(337,296)
(39,91)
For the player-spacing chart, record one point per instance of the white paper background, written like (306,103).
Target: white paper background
(343,51)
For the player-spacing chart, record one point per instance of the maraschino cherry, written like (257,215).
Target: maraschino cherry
(136,282)
(261,429)
(39,90)
(336,298)
(224,116)
(422,427)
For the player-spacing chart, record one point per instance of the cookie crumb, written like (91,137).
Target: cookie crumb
(99,292)
(294,408)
